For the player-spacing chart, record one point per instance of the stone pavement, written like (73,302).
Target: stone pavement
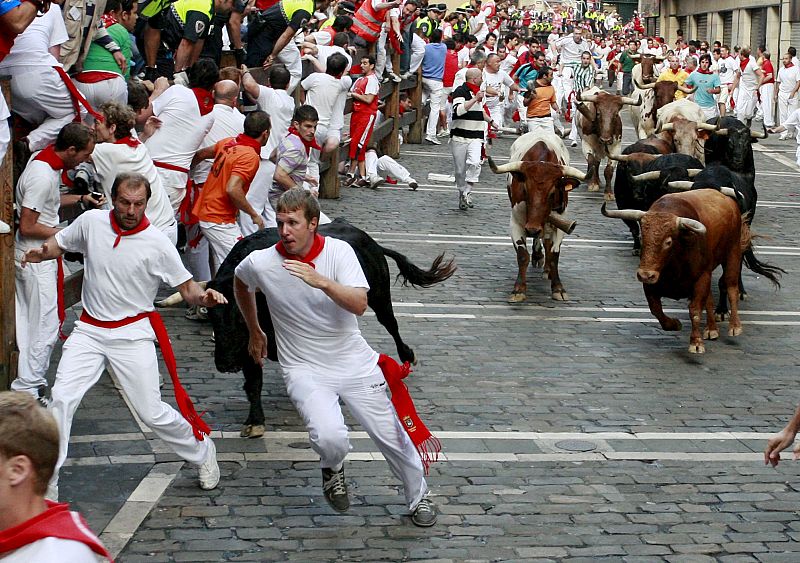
(571,431)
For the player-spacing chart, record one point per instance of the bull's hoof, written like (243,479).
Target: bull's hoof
(635,251)
(695,348)
(734,331)
(517,298)
(721,315)
(560,295)
(594,188)
(252,431)
(607,196)
(743,296)
(537,262)
(710,334)
(414,358)
(672,325)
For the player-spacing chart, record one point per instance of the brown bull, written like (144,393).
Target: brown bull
(540,180)
(684,237)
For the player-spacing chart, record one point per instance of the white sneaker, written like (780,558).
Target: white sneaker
(443,133)
(782,137)
(4,228)
(209,469)
(574,144)
(375,181)
(395,77)
(433,140)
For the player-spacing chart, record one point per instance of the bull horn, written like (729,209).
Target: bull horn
(691,225)
(584,111)
(659,58)
(647,85)
(692,172)
(723,132)
(636,57)
(620,157)
(730,192)
(624,214)
(647,176)
(754,135)
(588,98)
(707,126)
(572,172)
(631,102)
(680,184)
(510,167)
(666,127)
(562,223)
(175,298)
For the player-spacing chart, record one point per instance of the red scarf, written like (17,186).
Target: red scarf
(790,65)
(246,141)
(428,446)
(675,71)
(474,88)
(143,224)
(49,156)
(108,19)
(130,141)
(701,71)
(55,522)
(314,251)
(205,102)
(312,144)
(743,63)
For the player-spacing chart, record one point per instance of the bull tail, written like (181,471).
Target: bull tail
(439,271)
(773,273)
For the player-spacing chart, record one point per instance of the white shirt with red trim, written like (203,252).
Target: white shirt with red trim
(53,550)
(121,282)
(38,190)
(228,122)
(314,335)
(182,127)
(788,78)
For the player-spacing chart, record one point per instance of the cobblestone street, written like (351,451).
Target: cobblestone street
(575,430)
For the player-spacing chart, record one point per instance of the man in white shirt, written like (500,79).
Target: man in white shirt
(315,289)
(788,84)
(748,76)
(727,74)
(38,200)
(477,25)
(126,261)
(571,46)
(498,86)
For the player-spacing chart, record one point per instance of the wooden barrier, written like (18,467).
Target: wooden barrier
(8,350)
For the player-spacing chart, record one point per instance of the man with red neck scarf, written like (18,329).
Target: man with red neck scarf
(31,528)
(674,73)
(708,85)
(224,194)
(745,85)
(39,199)
(126,260)
(291,156)
(316,290)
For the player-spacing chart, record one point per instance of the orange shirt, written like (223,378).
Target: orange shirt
(541,98)
(214,205)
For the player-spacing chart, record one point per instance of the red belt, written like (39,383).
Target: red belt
(95,76)
(168,166)
(77,98)
(185,406)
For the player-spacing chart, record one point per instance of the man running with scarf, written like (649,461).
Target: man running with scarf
(126,260)
(291,156)
(315,289)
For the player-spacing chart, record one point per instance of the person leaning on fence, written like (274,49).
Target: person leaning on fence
(33,529)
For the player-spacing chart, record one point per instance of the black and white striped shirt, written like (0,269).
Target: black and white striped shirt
(468,124)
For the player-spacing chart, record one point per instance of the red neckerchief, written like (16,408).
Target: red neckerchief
(55,522)
(701,71)
(205,102)
(246,141)
(474,88)
(312,144)
(130,141)
(120,233)
(108,19)
(790,65)
(676,71)
(316,249)
(49,156)
(743,63)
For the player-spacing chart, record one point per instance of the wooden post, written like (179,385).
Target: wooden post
(390,145)
(8,350)
(329,178)
(416,132)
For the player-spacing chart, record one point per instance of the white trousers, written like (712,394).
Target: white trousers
(258,197)
(98,93)
(384,167)
(497,113)
(382,58)
(41,98)
(130,352)
(174,183)
(574,131)
(540,124)
(36,313)
(316,398)
(745,104)
(467,163)
(290,57)
(767,93)
(197,253)
(5,130)
(710,112)
(417,53)
(221,238)
(785,107)
(432,90)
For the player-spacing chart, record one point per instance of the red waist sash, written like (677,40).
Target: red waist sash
(185,405)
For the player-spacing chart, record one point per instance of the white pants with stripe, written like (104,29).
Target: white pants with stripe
(130,352)
(467,163)
(221,238)
(767,94)
(98,93)
(316,398)
(174,183)
(385,166)
(35,299)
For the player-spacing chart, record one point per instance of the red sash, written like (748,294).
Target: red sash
(185,405)
(77,98)
(314,251)
(168,166)
(95,76)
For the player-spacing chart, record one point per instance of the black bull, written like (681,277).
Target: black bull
(230,331)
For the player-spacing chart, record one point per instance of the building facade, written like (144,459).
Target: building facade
(774,23)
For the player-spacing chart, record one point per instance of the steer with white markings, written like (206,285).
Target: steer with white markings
(539,180)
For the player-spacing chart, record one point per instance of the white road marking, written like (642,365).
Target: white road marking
(791,164)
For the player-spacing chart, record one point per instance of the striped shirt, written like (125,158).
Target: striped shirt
(468,124)
(584,77)
(290,155)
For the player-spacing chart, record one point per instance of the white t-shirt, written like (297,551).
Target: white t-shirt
(53,550)
(322,92)
(38,190)
(121,282)
(31,47)
(111,159)
(749,78)
(496,81)
(314,335)
(325,51)
(727,69)
(228,122)
(788,78)
(182,127)
(508,63)
(279,105)
(571,51)
(463,56)
(474,22)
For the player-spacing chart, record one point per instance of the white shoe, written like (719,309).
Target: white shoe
(433,140)
(574,144)
(395,77)
(209,469)
(4,228)
(783,137)
(443,133)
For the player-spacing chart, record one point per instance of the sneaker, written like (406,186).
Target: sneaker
(468,199)
(433,140)
(349,179)
(196,313)
(782,137)
(42,396)
(334,487)
(462,202)
(209,469)
(361,183)
(443,133)
(574,144)
(375,181)
(424,514)
(395,77)
(406,76)
(412,183)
